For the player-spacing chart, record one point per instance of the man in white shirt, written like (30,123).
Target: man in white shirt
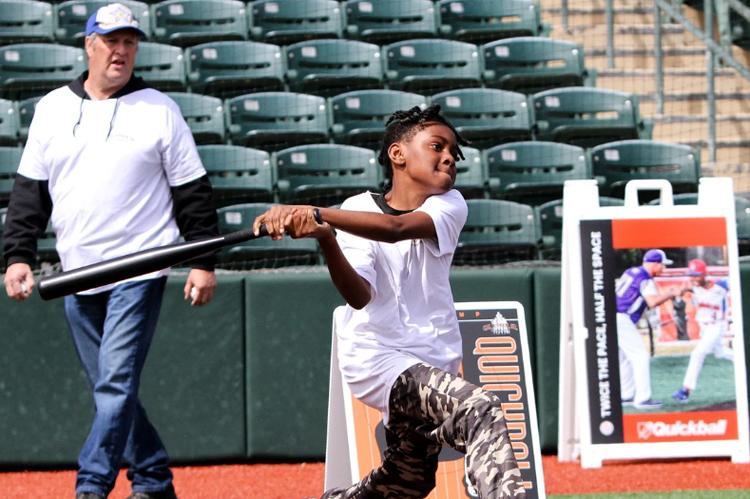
(113,165)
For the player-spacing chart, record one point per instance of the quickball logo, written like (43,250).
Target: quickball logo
(660,429)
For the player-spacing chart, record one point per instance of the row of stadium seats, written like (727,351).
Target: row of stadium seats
(325,174)
(189,22)
(496,231)
(322,67)
(580,116)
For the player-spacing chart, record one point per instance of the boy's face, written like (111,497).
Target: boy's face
(429,158)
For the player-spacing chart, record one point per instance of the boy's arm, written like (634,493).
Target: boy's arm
(373,226)
(299,221)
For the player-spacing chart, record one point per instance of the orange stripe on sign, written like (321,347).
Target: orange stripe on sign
(668,232)
(680,426)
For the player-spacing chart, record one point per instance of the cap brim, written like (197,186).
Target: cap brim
(100,31)
(667,261)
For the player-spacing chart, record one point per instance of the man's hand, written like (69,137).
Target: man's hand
(295,220)
(19,281)
(200,287)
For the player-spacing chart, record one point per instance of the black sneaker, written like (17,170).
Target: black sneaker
(88,495)
(648,404)
(162,494)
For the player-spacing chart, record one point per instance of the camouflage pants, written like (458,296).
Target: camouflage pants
(428,408)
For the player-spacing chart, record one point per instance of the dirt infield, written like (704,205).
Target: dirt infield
(295,481)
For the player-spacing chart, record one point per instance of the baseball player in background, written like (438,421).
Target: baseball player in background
(636,291)
(709,299)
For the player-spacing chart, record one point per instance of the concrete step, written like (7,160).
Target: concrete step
(676,81)
(739,172)
(695,128)
(631,36)
(696,104)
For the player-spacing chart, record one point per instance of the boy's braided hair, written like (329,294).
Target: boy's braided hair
(403,124)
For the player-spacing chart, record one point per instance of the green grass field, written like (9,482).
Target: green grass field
(715,384)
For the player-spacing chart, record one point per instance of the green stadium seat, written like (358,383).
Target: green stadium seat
(430,66)
(585,116)
(497,231)
(8,123)
(275,120)
(10,158)
(30,69)
(532,64)
(3,213)
(291,21)
(204,115)
(550,215)
(486,116)
(262,252)
(386,21)
(228,69)
(325,174)
(534,172)
(328,67)
(25,21)
(477,21)
(471,174)
(359,117)
(190,22)
(238,174)
(616,163)
(26,109)
(161,66)
(71,17)
(46,251)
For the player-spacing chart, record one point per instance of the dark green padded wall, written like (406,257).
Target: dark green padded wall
(288,348)
(45,406)
(547,337)
(193,384)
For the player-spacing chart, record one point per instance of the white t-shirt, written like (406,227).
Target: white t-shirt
(110,180)
(710,303)
(410,317)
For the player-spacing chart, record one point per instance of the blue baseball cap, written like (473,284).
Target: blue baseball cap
(656,256)
(112,17)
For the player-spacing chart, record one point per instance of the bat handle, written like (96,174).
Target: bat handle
(243,235)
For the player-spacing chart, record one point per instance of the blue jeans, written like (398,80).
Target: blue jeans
(112,332)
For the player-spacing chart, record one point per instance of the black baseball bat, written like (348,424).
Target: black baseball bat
(135,264)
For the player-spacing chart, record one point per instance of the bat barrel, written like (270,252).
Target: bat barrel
(142,262)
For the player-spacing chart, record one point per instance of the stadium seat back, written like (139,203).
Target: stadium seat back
(161,66)
(232,68)
(325,174)
(429,66)
(359,117)
(10,158)
(385,21)
(328,67)
(532,64)
(471,174)
(534,171)
(31,69)
(275,120)
(586,116)
(473,21)
(486,116)
(615,164)
(238,174)
(8,123)
(497,230)
(26,21)
(71,17)
(190,22)
(26,109)
(204,115)
(291,21)
(261,252)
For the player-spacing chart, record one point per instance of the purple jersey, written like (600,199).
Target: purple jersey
(628,290)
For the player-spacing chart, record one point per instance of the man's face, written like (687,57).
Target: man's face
(112,57)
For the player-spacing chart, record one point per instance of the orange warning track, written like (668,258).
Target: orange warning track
(295,481)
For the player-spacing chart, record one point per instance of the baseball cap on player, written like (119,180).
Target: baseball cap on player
(656,256)
(696,267)
(112,17)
